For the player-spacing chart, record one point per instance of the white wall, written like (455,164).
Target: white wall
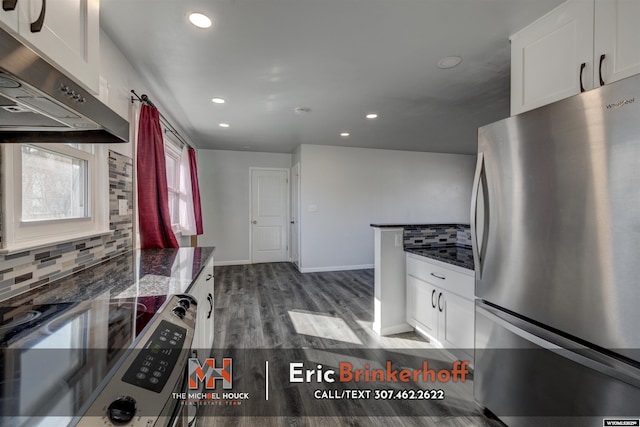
(117,77)
(225,193)
(354,187)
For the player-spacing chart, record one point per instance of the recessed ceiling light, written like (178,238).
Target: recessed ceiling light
(200,20)
(372,116)
(345,134)
(218,100)
(302,110)
(449,62)
(224,125)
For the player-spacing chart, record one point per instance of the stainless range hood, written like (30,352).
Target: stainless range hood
(40,103)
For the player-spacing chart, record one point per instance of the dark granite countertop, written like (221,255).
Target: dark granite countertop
(462,256)
(396,225)
(137,273)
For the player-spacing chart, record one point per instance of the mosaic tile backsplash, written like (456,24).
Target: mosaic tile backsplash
(20,272)
(437,235)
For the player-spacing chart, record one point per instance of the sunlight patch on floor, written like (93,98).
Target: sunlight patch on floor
(323,326)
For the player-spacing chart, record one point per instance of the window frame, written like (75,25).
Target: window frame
(173,150)
(20,235)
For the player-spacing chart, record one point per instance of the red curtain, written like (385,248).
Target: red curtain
(195,191)
(153,195)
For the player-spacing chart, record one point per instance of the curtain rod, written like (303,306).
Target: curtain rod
(169,127)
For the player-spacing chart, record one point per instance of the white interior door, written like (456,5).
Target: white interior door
(269,216)
(295,215)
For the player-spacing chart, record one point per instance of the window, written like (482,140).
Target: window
(172,155)
(54,185)
(51,193)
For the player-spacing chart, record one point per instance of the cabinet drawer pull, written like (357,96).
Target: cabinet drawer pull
(9,4)
(584,64)
(37,25)
(439,306)
(438,276)
(209,277)
(600,68)
(210,299)
(433,302)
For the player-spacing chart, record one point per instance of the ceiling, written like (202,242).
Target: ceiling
(341,59)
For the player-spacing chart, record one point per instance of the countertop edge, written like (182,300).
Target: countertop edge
(394,225)
(448,262)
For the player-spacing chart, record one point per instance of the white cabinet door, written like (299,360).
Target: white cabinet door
(207,293)
(68,36)
(203,292)
(9,17)
(617,36)
(456,327)
(547,57)
(421,297)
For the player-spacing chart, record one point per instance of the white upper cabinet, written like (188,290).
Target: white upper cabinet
(66,33)
(547,57)
(560,54)
(617,36)
(9,15)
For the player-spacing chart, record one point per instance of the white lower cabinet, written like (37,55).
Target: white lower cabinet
(202,290)
(456,322)
(440,303)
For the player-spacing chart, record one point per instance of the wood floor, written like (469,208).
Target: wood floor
(319,318)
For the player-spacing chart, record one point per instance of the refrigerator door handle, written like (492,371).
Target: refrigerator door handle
(585,357)
(479,178)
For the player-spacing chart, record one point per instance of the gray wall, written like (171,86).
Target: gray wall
(350,188)
(225,194)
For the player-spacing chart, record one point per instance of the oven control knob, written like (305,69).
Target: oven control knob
(188,297)
(122,410)
(179,311)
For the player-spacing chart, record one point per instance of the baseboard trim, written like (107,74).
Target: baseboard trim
(392,330)
(337,268)
(237,262)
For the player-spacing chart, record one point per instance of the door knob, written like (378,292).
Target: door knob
(254,222)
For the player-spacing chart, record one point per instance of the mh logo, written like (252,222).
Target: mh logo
(209,372)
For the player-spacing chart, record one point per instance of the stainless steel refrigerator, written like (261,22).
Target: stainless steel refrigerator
(556,240)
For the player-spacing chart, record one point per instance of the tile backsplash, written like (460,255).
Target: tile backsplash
(20,272)
(437,235)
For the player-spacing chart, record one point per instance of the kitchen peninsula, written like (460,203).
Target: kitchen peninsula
(424,280)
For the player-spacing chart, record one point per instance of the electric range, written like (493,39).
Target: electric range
(63,345)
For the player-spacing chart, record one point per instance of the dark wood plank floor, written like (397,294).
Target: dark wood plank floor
(273,306)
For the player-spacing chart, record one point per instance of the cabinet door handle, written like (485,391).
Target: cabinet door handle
(600,68)
(584,64)
(438,276)
(433,302)
(9,4)
(37,25)
(210,299)
(439,306)
(209,277)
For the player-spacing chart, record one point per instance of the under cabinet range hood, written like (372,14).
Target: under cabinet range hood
(39,102)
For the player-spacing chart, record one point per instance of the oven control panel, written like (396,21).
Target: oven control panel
(155,361)
(139,392)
